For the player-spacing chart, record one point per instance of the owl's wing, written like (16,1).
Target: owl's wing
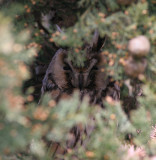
(47,85)
(55,78)
(47,82)
(113,90)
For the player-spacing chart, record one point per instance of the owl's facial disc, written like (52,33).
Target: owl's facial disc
(81,78)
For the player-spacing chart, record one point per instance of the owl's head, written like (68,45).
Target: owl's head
(66,76)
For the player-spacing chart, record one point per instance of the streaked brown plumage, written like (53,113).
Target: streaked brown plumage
(63,77)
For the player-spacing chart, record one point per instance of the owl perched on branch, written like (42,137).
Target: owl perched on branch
(63,77)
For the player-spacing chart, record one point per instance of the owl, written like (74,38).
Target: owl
(63,77)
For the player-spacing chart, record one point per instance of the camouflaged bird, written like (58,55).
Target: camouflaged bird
(63,77)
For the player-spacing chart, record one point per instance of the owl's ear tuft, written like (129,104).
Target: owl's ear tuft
(97,42)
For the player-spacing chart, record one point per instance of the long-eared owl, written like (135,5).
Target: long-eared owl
(63,77)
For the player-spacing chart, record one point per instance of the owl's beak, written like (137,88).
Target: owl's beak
(81,81)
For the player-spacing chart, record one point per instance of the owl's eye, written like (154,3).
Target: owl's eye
(95,68)
(66,68)
(49,75)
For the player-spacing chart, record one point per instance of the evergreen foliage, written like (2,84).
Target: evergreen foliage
(30,131)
